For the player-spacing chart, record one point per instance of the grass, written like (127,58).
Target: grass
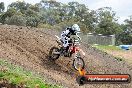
(17,75)
(104,47)
(118,53)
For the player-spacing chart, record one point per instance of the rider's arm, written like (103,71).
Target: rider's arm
(78,37)
(65,34)
(62,34)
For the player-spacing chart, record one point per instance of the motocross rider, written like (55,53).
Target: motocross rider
(65,36)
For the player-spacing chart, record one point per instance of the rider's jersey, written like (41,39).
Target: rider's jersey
(66,36)
(68,32)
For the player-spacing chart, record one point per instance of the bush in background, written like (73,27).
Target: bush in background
(16,20)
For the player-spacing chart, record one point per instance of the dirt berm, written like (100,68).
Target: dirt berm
(29,47)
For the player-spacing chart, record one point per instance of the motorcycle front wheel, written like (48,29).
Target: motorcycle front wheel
(78,63)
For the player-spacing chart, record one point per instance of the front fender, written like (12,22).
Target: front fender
(82,52)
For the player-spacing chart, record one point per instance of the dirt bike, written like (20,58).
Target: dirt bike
(73,51)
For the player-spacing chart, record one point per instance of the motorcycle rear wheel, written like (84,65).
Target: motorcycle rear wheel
(52,54)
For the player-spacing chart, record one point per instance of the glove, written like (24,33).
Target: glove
(79,38)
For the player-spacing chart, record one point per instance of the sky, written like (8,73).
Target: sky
(123,8)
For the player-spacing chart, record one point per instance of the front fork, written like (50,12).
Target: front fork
(76,54)
(79,53)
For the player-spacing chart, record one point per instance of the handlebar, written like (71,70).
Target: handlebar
(73,40)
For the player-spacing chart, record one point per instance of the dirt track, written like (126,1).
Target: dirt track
(29,48)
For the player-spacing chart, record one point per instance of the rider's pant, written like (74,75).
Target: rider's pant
(65,42)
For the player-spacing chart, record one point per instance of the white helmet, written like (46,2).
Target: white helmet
(76,28)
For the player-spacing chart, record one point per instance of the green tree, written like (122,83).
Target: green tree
(49,12)
(32,21)
(129,23)
(10,12)
(125,37)
(34,7)
(2,7)
(16,20)
(107,22)
(19,6)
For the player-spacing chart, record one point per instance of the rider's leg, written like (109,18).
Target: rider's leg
(65,45)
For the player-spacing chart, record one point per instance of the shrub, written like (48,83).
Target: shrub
(47,26)
(32,21)
(16,20)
